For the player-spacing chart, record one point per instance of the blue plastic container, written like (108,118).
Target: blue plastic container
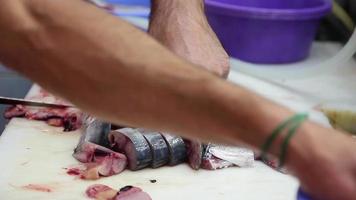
(303,196)
(267,31)
(130,2)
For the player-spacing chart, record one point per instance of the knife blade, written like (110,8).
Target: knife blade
(16,101)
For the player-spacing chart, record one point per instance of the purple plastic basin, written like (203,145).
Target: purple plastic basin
(302,195)
(267,31)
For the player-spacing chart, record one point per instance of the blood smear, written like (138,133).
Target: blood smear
(39,188)
(73,171)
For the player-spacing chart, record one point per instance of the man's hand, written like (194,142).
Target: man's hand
(183,28)
(324,160)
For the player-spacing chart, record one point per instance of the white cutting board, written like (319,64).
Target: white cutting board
(34,153)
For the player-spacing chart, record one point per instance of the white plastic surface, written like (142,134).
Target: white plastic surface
(33,153)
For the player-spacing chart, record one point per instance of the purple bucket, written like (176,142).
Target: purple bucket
(267,31)
(302,195)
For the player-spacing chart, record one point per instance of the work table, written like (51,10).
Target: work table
(35,154)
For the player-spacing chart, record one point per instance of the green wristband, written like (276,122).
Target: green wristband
(300,118)
(267,145)
(269,141)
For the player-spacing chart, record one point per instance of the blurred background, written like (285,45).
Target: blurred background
(339,26)
(12,85)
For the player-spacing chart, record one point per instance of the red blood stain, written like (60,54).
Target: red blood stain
(73,171)
(39,188)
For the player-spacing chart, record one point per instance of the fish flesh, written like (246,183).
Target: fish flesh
(92,150)
(177,149)
(68,118)
(219,157)
(96,131)
(103,164)
(237,155)
(133,144)
(210,162)
(94,138)
(159,148)
(195,153)
(132,193)
(103,192)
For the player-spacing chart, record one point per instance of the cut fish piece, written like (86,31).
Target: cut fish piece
(195,153)
(159,148)
(210,162)
(96,131)
(177,149)
(94,139)
(239,156)
(132,193)
(103,192)
(99,160)
(213,163)
(131,142)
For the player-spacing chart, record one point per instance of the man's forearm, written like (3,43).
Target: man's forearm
(111,69)
(161,6)
(181,26)
(163,11)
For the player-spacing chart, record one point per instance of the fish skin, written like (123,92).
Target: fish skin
(210,162)
(93,140)
(96,131)
(133,144)
(177,149)
(159,148)
(92,150)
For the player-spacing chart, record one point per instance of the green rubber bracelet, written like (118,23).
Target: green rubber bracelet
(291,132)
(267,145)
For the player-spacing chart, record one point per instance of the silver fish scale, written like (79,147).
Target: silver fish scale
(177,149)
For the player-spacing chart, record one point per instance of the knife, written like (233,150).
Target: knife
(16,101)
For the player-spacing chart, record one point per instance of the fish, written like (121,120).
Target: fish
(103,192)
(92,150)
(177,149)
(96,131)
(219,157)
(237,155)
(159,148)
(210,162)
(195,153)
(133,144)
(132,193)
